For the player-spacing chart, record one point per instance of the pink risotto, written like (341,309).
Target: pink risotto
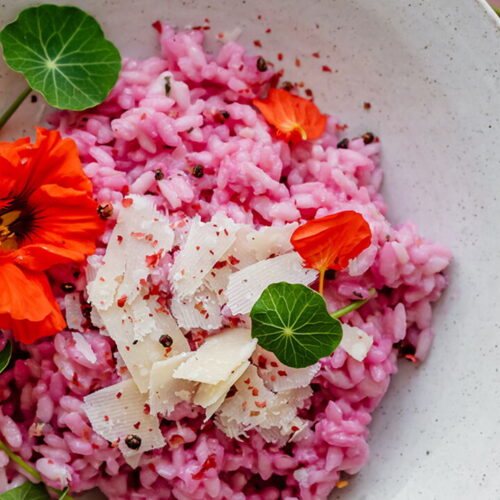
(180,131)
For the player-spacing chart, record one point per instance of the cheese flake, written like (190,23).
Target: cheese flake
(118,411)
(355,342)
(201,310)
(247,285)
(164,390)
(205,245)
(218,357)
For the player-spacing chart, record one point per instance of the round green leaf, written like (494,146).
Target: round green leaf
(63,54)
(292,322)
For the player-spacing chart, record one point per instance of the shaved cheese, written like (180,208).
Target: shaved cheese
(84,347)
(271,240)
(139,238)
(143,322)
(355,342)
(282,410)
(217,280)
(218,357)
(139,356)
(201,310)
(164,391)
(248,407)
(279,377)
(246,286)
(74,316)
(205,245)
(133,460)
(119,411)
(211,396)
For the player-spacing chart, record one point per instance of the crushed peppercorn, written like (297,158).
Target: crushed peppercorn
(68,287)
(330,274)
(159,175)
(343,144)
(198,171)
(165,340)
(368,138)
(261,64)
(168,86)
(133,441)
(105,210)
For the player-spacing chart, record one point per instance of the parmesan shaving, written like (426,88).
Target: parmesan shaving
(139,239)
(271,240)
(211,396)
(217,280)
(246,286)
(201,310)
(84,347)
(279,377)
(74,316)
(164,391)
(355,342)
(205,245)
(119,411)
(218,357)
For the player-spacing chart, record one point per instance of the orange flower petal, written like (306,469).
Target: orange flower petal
(331,242)
(294,117)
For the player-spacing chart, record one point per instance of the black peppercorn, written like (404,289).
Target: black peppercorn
(198,171)
(261,64)
(286,85)
(225,114)
(159,174)
(105,211)
(165,340)
(343,144)
(133,441)
(368,138)
(68,287)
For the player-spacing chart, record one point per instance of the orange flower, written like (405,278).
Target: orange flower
(47,217)
(295,118)
(331,242)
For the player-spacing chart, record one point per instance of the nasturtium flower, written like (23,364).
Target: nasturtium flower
(330,242)
(293,117)
(47,217)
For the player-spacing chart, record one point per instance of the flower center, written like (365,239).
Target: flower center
(7,235)
(16,222)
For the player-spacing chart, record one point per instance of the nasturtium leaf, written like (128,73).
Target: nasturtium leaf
(5,355)
(63,54)
(27,491)
(292,322)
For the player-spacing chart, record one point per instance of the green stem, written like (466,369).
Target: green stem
(12,108)
(352,306)
(33,472)
(496,9)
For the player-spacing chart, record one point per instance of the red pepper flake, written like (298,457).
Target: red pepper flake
(119,238)
(152,260)
(254,413)
(220,35)
(175,441)
(147,409)
(411,358)
(127,347)
(115,443)
(75,380)
(233,260)
(157,26)
(118,395)
(206,20)
(309,92)
(220,264)
(95,446)
(123,370)
(273,378)
(326,68)
(259,17)
(262,361)
(137,425)
(342,484)
(294,428)
(341,127)
(274,364)
(244,405)
(282,373)
(211,252)
(268,30)
(297,62)
(50,461)
(280,56)
(127,202)
(226,232)
(121,301)
(260,404)
(367,106)
(247,381)
(255,392)
(315,54)
(106,418)
(257,43)
(219,292)
(209,463)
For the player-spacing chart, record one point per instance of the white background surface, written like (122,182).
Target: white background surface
(430,69)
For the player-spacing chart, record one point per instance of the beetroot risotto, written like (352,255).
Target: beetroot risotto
(246,302)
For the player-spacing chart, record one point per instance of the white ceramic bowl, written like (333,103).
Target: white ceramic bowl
(430,69)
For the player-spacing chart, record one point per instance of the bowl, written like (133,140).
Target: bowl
(430,71)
